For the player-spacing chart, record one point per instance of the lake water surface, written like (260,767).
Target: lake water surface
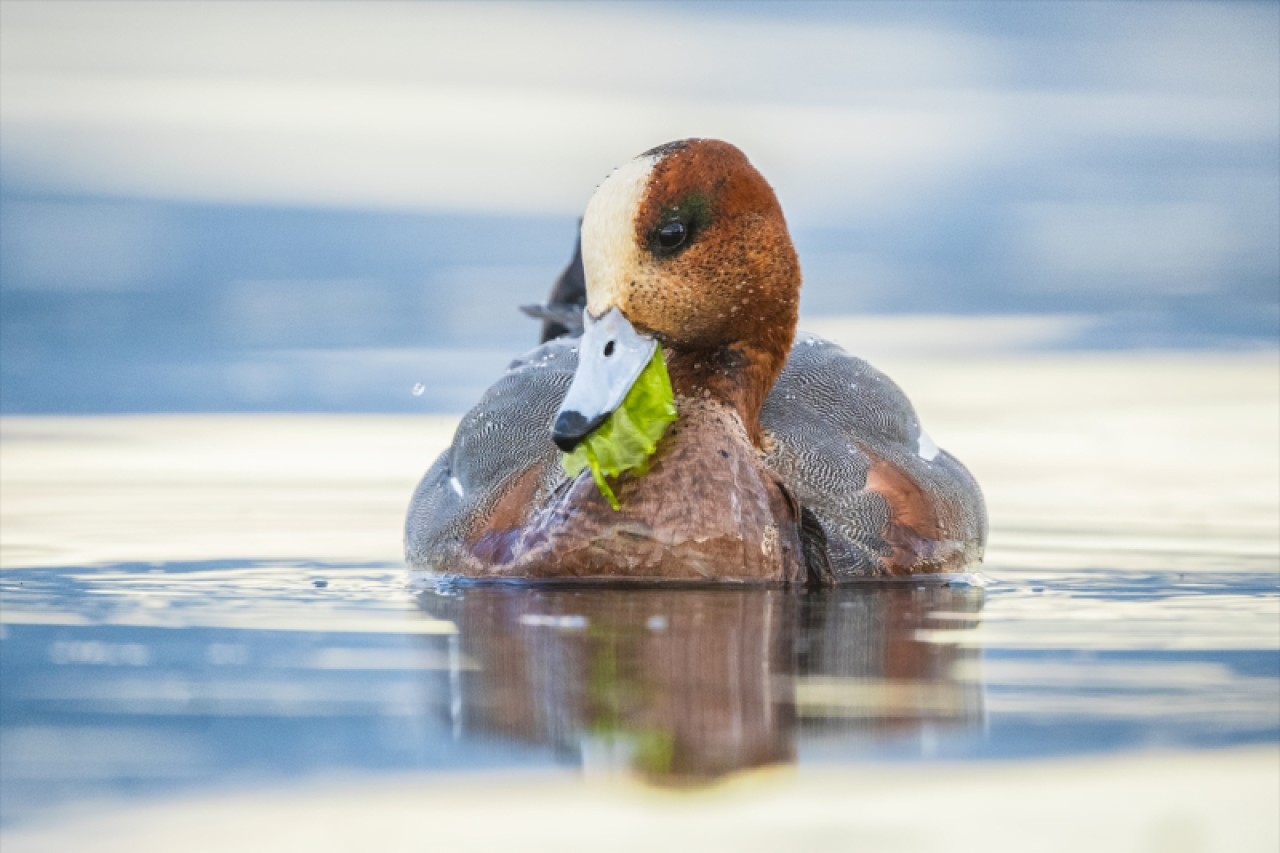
(206,624)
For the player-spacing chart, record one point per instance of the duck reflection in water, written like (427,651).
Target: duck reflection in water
(683,687)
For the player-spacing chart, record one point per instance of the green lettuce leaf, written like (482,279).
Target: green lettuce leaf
(626,440)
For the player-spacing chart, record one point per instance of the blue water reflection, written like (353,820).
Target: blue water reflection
(139,679)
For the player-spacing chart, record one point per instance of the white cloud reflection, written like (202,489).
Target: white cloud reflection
(853,112)
(278,205)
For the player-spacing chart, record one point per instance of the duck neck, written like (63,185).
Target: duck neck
(738,376)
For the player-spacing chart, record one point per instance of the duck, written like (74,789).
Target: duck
(786,460)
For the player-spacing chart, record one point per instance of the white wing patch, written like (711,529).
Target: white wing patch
(925,448)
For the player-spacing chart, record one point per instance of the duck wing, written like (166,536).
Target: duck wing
(500,460)
(846,442)
(876,497)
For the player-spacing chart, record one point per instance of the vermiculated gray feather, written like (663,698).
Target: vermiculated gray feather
(826,416)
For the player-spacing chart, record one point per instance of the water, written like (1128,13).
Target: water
(206,617)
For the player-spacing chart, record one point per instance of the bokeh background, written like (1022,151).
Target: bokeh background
(216,206)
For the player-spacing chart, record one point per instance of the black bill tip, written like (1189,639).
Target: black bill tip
(572,427)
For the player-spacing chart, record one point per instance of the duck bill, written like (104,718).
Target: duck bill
(611,356)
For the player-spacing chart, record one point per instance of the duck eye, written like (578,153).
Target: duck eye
(608,349)
(672,235)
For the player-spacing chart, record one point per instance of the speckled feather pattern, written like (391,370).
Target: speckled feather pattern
(505,437)
(835,423)
(841,438)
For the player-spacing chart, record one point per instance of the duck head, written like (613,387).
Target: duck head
(685,246)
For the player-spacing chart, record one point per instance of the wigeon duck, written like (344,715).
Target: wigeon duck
(786,461)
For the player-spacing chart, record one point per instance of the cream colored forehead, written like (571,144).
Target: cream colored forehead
(609,250)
